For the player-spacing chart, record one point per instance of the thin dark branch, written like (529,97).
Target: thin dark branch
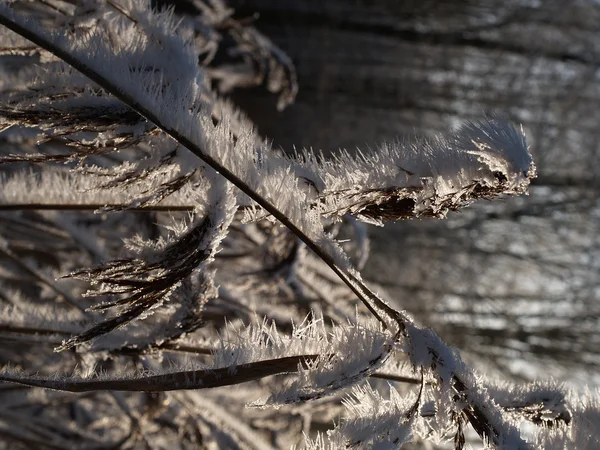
(91,207)
(189,379)
(363,292)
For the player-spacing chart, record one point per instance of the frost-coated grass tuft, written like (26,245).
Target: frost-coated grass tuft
(209,243)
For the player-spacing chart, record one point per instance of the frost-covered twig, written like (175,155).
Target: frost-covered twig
(264,179)
(151,278)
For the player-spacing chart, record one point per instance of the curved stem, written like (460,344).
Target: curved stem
(360,289)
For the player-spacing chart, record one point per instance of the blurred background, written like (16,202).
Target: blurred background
(514,284)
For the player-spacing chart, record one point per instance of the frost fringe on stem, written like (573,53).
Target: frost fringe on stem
(148,86)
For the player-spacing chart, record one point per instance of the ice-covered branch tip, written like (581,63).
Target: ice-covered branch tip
(427,178)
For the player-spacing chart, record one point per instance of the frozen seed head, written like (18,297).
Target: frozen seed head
(501,148)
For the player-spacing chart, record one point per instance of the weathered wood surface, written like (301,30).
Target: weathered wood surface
(375,70)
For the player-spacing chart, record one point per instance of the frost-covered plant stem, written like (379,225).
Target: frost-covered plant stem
(35,34)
